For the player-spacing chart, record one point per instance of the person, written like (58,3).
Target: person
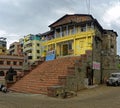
(3,88)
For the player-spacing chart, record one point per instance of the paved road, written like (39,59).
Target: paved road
(99,97)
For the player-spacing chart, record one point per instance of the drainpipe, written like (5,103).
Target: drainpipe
(101,75)
(92,70)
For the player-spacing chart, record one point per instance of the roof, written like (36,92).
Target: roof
(14,43)
(46,33)
(98,24)
(71,15)
(111,31)
(93,20)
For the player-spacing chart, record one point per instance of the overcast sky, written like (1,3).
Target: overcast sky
(21,17)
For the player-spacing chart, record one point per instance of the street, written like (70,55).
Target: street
(98,97)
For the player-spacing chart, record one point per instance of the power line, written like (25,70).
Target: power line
(88,6)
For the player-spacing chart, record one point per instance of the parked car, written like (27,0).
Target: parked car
(114,79)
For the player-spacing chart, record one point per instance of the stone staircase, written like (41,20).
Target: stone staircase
(49,73)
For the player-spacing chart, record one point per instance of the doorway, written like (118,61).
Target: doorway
(89,75)
(65,49)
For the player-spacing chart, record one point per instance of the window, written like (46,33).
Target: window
(38,57)
(1,73)
(83,29)
(4,45)
(14,63)
(25,61)
(20,63)
(72,31)
(1,62)
(8,62)
(38,51)
(70,45)
(58,32)
(64,31)
(38,44)
(21,45)
(29,57)
(112,46)
(3,50)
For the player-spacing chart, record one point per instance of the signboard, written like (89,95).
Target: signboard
(96,65)
(50,55)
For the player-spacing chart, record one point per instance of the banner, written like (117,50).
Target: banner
(96,65)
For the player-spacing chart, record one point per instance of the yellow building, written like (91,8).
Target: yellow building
(3,45)
(71,35)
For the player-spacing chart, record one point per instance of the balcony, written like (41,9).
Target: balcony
(27,43)
(69,37)
(27,49)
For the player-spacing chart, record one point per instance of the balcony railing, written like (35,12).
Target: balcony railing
(69,37)
(27,49)
(11,57)
(14,67)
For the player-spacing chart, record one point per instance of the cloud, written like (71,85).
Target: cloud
(111,18)
(112,15)
(2,32)
(11,37)
(21,17)
(32,16)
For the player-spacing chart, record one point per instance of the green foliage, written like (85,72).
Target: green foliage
(119,66)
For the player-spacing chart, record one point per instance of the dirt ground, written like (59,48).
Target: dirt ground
(98,97)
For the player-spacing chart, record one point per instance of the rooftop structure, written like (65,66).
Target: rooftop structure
(3,45)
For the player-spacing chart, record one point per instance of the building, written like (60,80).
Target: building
(73,35)
(15,49)
(109,56)
(3,45)
(21,41)
(7,61)
(118,61)
(31,47)
(82,53)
